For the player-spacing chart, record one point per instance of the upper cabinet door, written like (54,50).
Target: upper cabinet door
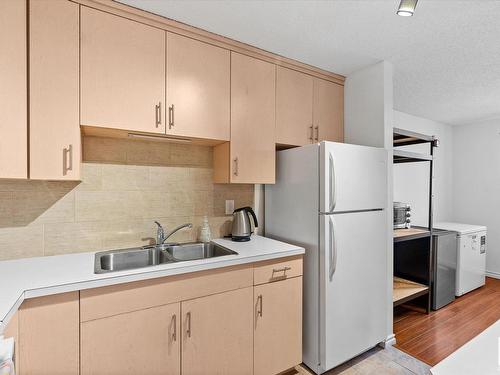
(54,135)
(328,111)
(252,120)
(294,108)
(13,90)
(198,89)
(122,73)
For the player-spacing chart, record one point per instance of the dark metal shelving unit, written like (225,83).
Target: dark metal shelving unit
(412,251)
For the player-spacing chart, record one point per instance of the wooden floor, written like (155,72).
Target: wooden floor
(433,337)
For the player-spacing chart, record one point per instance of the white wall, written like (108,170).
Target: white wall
(368,120)
(411,180)
(476,187)
(368,100)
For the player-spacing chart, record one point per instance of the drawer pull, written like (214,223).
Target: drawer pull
(279,270)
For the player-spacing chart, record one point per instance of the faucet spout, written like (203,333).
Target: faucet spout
(173,231)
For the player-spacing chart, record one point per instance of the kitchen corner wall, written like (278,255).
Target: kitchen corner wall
(126,185)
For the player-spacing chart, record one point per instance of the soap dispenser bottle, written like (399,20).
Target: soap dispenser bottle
(205,235)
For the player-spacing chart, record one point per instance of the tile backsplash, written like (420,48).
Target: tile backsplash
(126,185)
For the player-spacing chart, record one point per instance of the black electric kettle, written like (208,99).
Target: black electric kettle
(242,228)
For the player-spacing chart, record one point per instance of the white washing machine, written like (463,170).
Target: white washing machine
(471,255)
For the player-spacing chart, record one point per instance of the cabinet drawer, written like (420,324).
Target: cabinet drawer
(270,271)
(117,299)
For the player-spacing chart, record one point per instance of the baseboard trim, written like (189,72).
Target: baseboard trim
(495,275)
(389,341)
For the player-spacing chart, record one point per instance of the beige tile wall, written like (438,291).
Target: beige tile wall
(126,185)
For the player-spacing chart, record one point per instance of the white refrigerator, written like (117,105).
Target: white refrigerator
(331,199)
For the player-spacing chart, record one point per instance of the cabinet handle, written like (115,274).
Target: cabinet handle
(158,114)
(284,269)
(317,133)
(188,322)
(171,116)
(235,166)
(174,322)
(259,300)
(67,159)
(311,138)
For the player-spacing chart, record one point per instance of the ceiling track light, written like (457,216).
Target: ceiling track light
(406,8)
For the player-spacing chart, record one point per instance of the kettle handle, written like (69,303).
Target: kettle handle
(250,209)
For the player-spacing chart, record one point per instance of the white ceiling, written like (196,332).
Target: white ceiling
(446,57)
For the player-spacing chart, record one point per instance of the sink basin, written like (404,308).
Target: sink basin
(139,257)
(119,260)
(193,251)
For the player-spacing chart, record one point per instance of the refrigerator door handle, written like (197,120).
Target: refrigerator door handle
(333,248)
(333,193)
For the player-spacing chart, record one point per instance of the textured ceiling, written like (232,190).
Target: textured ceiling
(446,57)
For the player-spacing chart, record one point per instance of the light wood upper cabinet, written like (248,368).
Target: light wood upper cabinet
(294,107)
(217,334)
(49,335)
(13,90)
(328,111)
(122,73)
(198,89)
(54,137)
(278,326)
(140,342)
(250,157)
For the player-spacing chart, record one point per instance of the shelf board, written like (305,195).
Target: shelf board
(401,156)
(410,234)
(406,290)
(402,137)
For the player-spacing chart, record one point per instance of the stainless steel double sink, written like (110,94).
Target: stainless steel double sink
(139,257)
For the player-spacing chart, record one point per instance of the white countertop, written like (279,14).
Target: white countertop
(35,277)
(480,356)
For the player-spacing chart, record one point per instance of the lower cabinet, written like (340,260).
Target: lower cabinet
(217,334)
(48,335)
(278,326)
(140,342)
(211,322)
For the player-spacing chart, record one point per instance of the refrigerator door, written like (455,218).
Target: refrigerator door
(352,177)
(353,285)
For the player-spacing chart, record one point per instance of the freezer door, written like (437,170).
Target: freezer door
(353,285)
(352,177)
(471,262)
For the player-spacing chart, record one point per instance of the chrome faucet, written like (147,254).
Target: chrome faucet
(161,237)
